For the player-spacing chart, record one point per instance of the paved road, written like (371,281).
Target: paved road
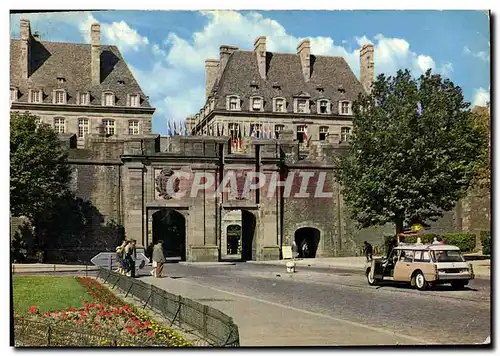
(439,316)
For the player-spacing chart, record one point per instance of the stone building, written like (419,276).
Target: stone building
(77,88)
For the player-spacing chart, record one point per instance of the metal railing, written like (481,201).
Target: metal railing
(215,327)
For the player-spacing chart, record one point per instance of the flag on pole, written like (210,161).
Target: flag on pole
(240,141)
(169,130)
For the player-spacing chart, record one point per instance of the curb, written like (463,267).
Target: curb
(206,264)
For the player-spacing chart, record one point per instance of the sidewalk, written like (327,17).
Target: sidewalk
(43,267)
(264,323)
(481,267)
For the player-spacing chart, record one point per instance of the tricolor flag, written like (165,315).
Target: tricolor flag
(169,129)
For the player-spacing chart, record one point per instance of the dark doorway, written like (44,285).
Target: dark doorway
(170,226)
(307,240)
(248,246)
(233,234)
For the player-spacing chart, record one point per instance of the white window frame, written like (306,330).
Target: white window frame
(341,106)
(83,127)
(32,93)
(108,125)
(279,127)
(275,104)
(345,132)
(327,103)
(323,130)
(300,129)
(56,94)
(298,101)
(86,98)
(133,127)
(13,94)
(233,99)
(59,125)
(132,98)
(106,95)
(253,99)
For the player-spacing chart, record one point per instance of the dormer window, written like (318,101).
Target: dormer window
(302,106)
(276,86)
(320,90)
(279,105)
(61,80)
(256,104)
(13,94)
(83,98)
(59,97)
(108,99)
(323,107)
(121,82)
(345,108)
(35,96)
(134,100)
(233,103)
(341,89)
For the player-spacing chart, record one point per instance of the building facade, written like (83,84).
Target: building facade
(77,88)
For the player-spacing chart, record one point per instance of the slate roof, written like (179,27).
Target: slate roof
(285,70)
(72,61)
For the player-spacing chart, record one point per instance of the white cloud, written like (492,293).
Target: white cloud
(480,96)
(482,55)
(425,62)
(120,34)
(446,69)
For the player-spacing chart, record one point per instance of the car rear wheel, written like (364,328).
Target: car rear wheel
(371,281)
(459,284)
(419,281)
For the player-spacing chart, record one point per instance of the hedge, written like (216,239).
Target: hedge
(424,238)
(466,242)
(486,242)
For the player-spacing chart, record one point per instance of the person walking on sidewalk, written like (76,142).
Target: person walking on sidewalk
(130,256)
(368,249)
(158,259)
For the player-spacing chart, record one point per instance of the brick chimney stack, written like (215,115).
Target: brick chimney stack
(211,69)
(95,30)
(224,52)
(25,60)
(367,66)
(259,47)
(304,51)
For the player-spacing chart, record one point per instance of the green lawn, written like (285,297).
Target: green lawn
(47,293)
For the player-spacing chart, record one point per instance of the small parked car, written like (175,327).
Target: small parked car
(422,266)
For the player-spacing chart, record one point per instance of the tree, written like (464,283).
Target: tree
(482,117)
(414,151)
(39,172)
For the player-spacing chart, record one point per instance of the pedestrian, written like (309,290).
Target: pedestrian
(130,256)
(119,257)
(435,241)
(392,245)
(295,250)
(158,259)
(368,249)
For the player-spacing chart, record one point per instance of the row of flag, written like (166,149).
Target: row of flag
(177,129)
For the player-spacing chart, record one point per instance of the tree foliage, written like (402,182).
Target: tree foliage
(414,151)
(482,118)
(39,173)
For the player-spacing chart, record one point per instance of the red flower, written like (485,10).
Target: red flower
(150,333)
(46,314)
(147,323)
(92,305)
(34,309)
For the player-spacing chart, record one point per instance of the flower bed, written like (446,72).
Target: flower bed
(109,315)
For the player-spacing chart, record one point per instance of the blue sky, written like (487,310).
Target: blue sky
(166,50)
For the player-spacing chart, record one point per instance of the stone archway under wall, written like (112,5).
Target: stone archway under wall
(247,222)
(307,240)
(169,225)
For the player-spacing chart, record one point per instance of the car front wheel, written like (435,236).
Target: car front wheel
(419,281)
(371,281)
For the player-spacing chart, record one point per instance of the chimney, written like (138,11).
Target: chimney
(224,52)
(25,61)
(211,68)
(367,66)
(304,51)
(259,47)
(95,31)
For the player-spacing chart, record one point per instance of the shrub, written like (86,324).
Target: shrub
(466,242)
(486,242)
